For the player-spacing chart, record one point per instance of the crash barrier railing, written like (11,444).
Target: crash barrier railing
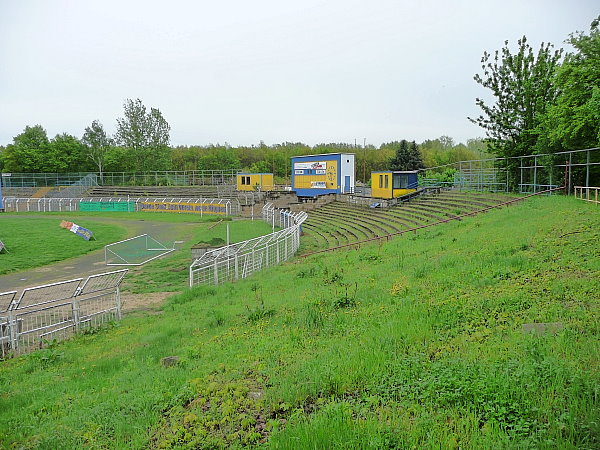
(54,312)
(277,217)
(220,206)
(389,236)
(240,260)
(589,194)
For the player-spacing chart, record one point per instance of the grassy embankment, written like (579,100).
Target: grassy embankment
(414,343)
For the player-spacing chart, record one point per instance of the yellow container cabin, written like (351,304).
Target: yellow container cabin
(255,182)
(392,183)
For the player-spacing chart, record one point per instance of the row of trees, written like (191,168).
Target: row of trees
(141,143)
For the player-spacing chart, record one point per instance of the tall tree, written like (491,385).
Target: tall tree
(407,156)
(145,135)
(573,122)
(28,150)
(523,89)
(97,144)
(65,154)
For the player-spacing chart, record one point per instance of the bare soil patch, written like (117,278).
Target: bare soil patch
(141,302)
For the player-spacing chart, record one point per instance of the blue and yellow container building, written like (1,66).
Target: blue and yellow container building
(328,173)
(393,183)
(255,182)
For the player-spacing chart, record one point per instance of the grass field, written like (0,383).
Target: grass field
(170,273)
(37,241)
(416,343)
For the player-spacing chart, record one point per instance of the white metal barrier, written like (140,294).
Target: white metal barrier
(54,312)
(589,194)
(242,259)
(231,207)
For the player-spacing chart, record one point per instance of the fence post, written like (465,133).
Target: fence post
(567,177)
(14,332)
(216,273)
(570,170)
(587,171)
(535,188)
(118,302)
(75,309)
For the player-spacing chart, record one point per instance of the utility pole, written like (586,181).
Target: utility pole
(365,161)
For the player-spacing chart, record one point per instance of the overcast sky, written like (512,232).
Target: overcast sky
(274,70)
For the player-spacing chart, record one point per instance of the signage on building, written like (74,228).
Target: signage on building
(314,165)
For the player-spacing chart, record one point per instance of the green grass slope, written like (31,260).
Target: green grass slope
(416,343)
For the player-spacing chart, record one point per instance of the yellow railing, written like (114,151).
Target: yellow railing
(590,194)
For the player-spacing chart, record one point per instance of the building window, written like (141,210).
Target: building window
(387,181)
(380,181)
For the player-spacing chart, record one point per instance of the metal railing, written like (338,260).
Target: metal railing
(525,174)
(230,207)
(242,259)
(588,193)
(155,178)
(54,312)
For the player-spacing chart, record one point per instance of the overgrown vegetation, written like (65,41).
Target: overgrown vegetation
(430,351)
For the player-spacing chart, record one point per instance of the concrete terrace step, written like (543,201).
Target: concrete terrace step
(383,215)
(359,231)
(157,191)
(367,220)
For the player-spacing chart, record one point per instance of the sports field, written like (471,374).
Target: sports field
(40,251)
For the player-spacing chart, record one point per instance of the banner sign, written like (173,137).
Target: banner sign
(318,184)
(79,231)
(107,206)
(298,172)
(311,165)
(197,208)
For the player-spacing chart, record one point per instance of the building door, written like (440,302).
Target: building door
(347,184)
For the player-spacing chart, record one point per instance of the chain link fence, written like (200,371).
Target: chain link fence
(53,312)
(240,260)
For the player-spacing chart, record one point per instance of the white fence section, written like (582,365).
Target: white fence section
(242,259)
(54,312)
(590,194)
(14,204)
